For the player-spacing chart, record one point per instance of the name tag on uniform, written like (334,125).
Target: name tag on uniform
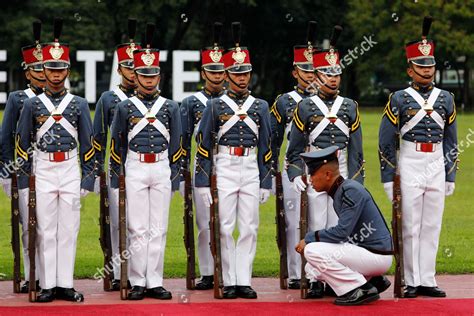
(412,112)
(316,119)
(225,117)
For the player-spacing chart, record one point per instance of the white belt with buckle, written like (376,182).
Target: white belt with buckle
(147,157)
(57,156)
(236,151)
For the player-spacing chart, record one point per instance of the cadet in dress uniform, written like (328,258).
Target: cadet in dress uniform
(242,165)
(424,117)
(212,72)
(281,120)
(61,177)
(353,255)
(32,62)
(146,138)
(322,120)
(104,114)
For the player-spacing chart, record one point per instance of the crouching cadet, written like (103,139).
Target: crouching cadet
(146,138)
(353,255)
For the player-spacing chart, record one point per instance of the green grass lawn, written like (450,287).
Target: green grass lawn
(455,253)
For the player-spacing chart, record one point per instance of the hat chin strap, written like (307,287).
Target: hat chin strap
(242,86)
(308,83)
(422,76)
(330,88)
(53,83)
(143,86)
(38,79)
(213,82)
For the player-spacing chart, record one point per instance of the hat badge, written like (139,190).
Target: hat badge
(130,50)
(56,51)
(37,53)
(238,55)
(215,55)
(424,48)
(331,58)
(308,54)
(148,58)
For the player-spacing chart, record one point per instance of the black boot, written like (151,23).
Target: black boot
(432,291)
(229,292)
(115,285)
(316,290)
(380,282)
(410,292)
(246,292)
(294,284)
(69,294)
(159,293)
(137,293)
(206,283)
(362,295)
(45,296)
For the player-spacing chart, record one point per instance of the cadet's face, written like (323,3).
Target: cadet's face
(128,76)
(214,80)
(421,75)
(238,81)
(304,78)
(36,78)
(148,83)
(328,84)
(321,179)
(56,76)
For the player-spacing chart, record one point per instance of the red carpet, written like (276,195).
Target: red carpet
(381,307)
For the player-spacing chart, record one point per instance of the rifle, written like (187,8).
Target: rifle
(32,237)
(105,239)
(281,232)
(123,236)
(399,283)
(188,220)
(15,221)
(303,230)
(215,222)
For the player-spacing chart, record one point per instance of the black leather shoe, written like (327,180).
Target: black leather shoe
(431,291)
(159,293)
(115,285)
(316,290)
(69,295)
(136,293)
(410,292)
(229,292)
(294,284)
(25,288)
(246,292)
(206,283)
(328,291)
(361,295)
(45,296)
(380,282)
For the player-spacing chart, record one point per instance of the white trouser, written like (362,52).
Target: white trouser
(238,187)
(23,198)
(206,261)
(344,266)
(423,188)
(148,188)
(292,200)
(58,207)
(114,230)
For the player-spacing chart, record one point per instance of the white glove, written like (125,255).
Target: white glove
(274,187)
(298,184)
(264,195)
(205,193)
(84,193)
(97,185)
(449,188)
(388,187)
(7,187)
(181,188)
